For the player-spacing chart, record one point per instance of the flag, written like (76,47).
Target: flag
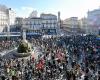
(39,66)
(42,61)
(60,56)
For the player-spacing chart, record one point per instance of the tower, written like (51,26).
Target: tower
(58,16)
(59,23)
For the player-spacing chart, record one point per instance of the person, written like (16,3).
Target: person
(86,77)
(3,77)
(13,74)
(73,64)
(76,46)
(98,78)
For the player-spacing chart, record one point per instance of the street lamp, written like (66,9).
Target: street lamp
(8,22)
(24,31)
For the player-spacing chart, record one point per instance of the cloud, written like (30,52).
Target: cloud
(23,11)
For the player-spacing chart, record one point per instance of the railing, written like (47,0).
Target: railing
(10,34)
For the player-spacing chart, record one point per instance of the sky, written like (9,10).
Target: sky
(68,8)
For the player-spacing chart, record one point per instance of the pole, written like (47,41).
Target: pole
(8,24)
(24,34)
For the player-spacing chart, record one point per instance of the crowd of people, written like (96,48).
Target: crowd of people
(62,58)
(7,45)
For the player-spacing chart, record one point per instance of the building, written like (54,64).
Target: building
(18,25)
(71,22)
(45,24)
(83,24)
(71,25)
(7,18)
(33,14)
(32,25)
(3,17)
(18,21)
(93,21)
(12,17)
(49,23)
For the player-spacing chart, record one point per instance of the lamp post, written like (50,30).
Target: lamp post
(31,29)
(8,23)
(24,34)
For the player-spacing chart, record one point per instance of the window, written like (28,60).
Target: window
(46,22)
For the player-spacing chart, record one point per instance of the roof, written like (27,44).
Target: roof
(35,18)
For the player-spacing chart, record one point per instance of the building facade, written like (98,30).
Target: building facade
(7,18)
(93,21)
(49,23)
(71,22)
(12,17)
(83,24)
(32,25)
(45,24)
(71,25)
(18,25)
